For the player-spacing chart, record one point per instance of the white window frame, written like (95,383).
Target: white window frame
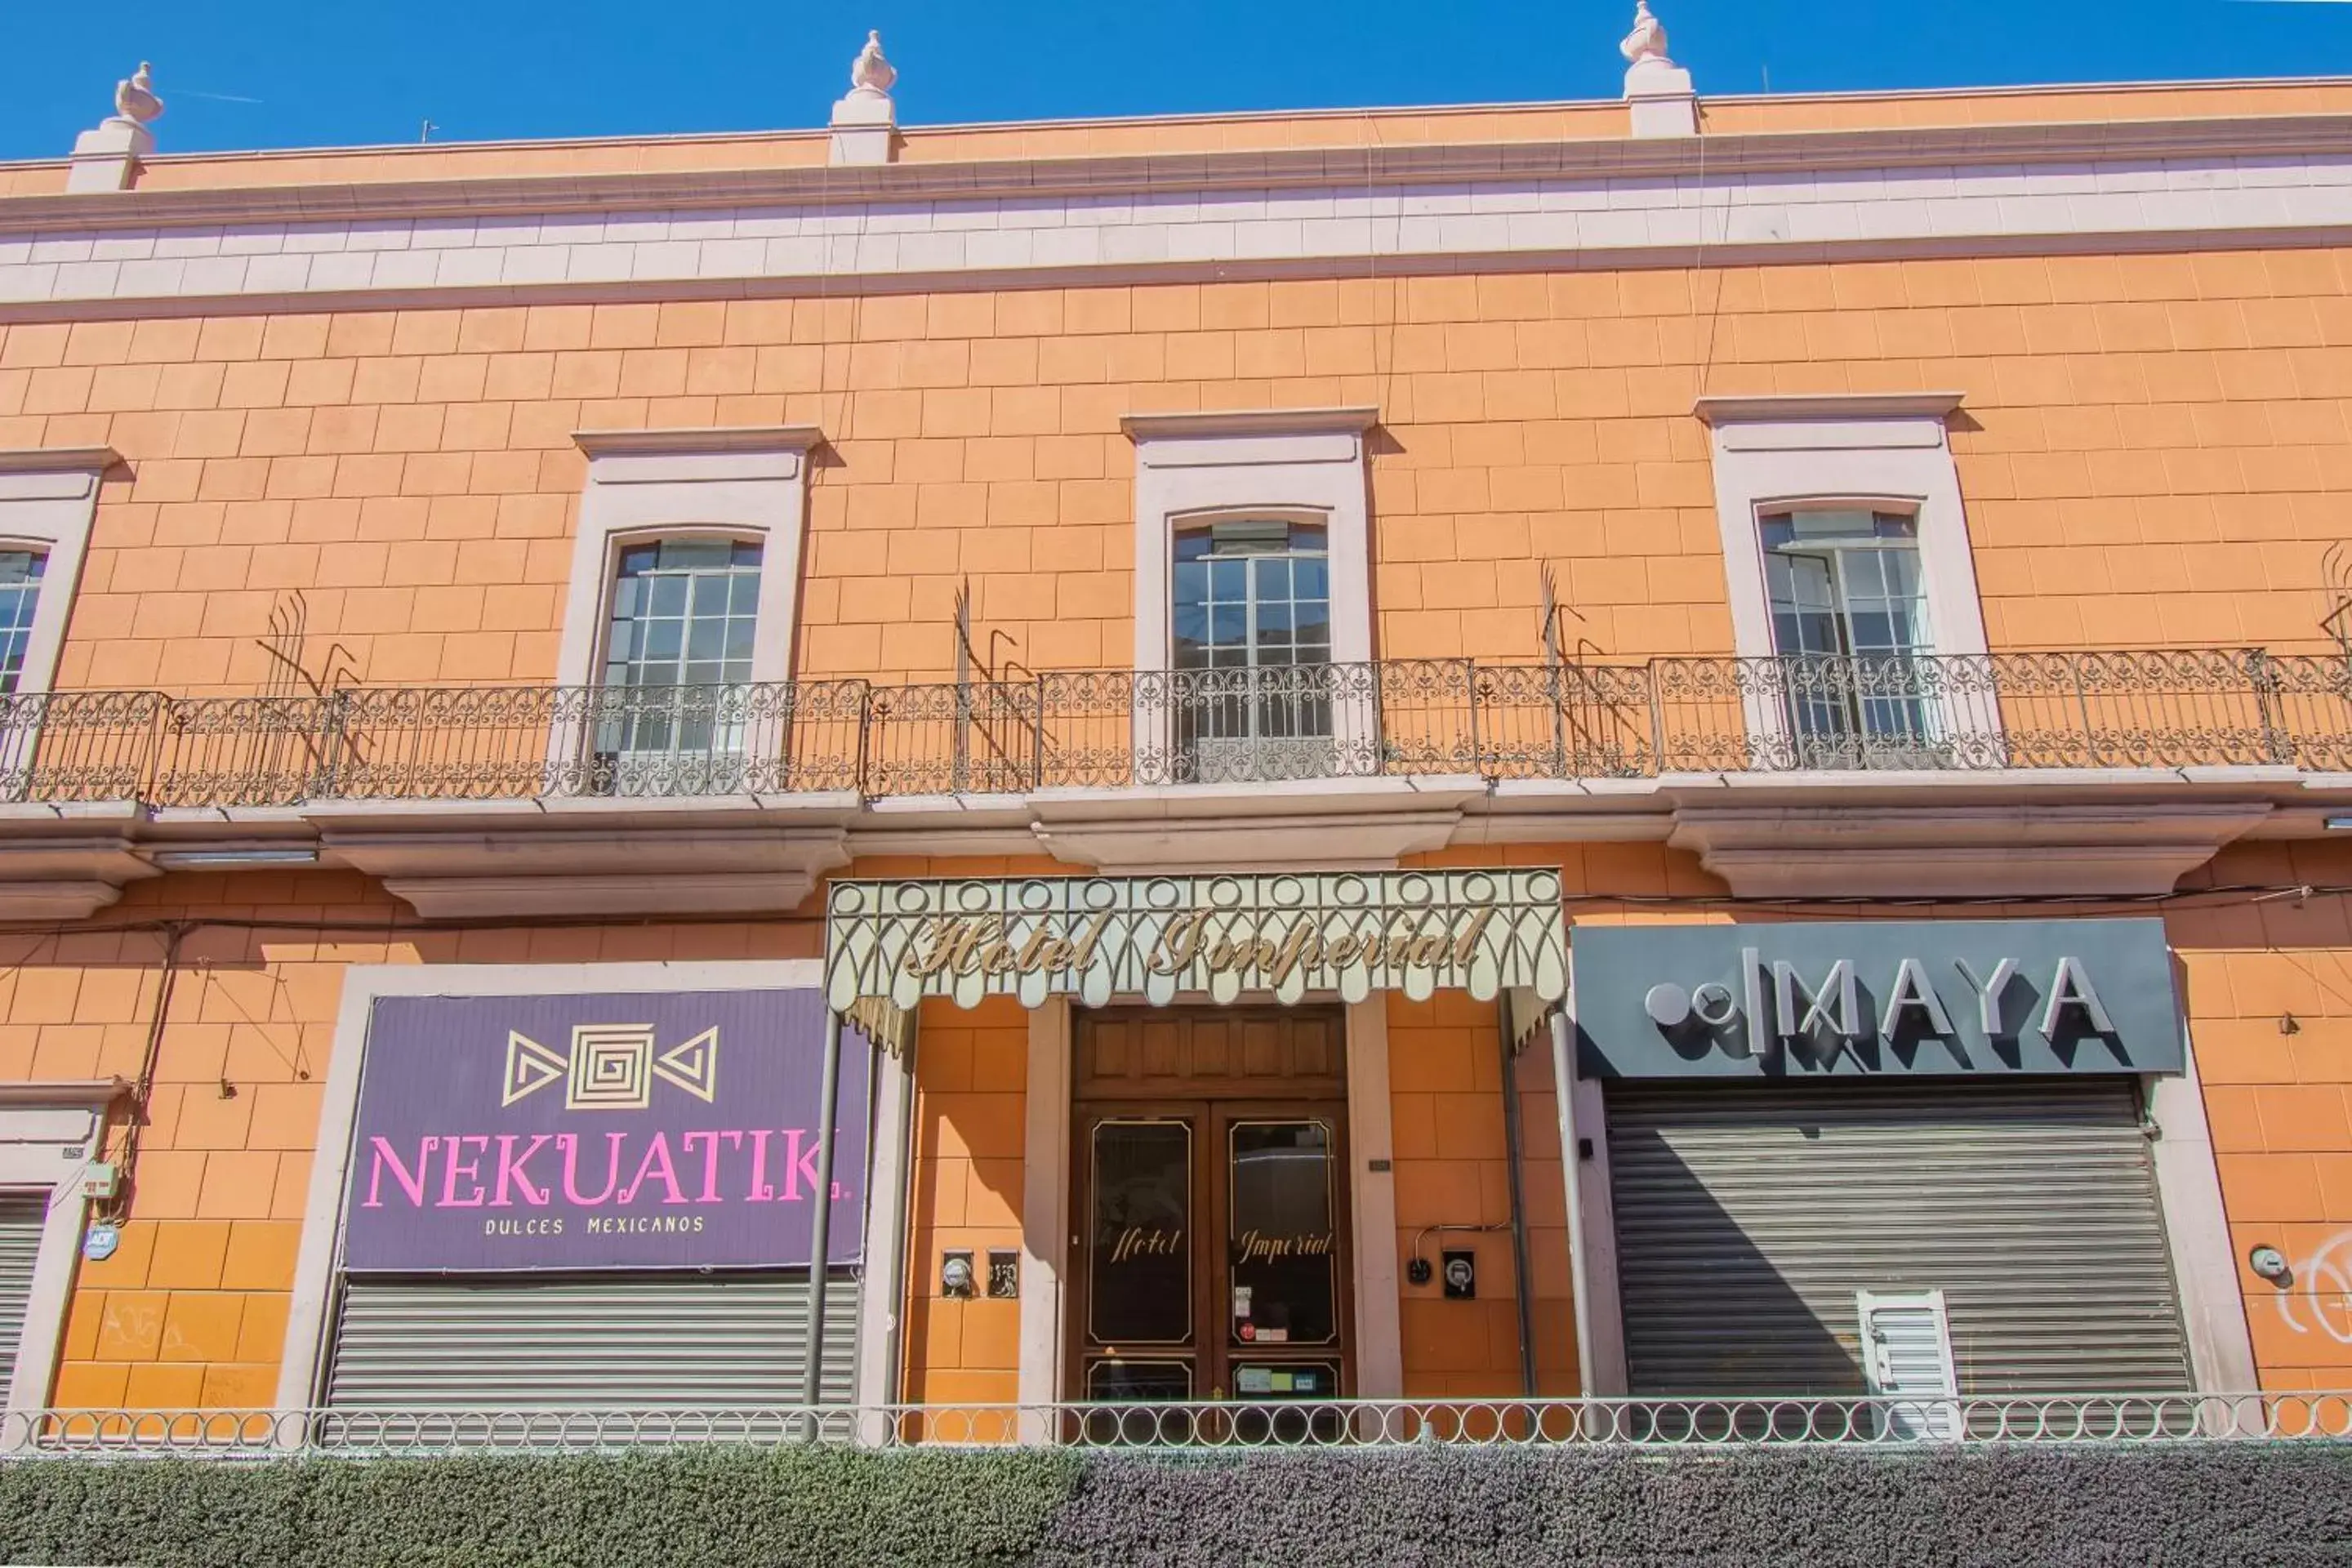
(50,1133)
(1890,451)
(747,484)
(49,502)
(1290,465)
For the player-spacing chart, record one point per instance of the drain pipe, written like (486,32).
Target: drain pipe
(1514,1153)
(821,1227)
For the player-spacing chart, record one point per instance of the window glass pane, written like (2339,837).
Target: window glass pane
(682,554)
(1139,1235)
(1829,523)
(1280,1241)
(683,611)
(20,589)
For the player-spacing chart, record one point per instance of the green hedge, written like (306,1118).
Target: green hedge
(702,1506)
(2245,1505)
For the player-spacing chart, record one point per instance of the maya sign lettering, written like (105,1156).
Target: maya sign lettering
(1936,998)
(623,1131)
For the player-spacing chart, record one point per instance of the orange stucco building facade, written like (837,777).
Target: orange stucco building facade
(2062,378)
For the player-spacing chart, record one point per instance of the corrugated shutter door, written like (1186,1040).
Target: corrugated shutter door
(1748,1218)
(679,1342)
(21,1219)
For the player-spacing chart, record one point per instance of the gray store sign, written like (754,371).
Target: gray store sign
(1870,998)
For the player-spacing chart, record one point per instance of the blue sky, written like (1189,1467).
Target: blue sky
(345,71)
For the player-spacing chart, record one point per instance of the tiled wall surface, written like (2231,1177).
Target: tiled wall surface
(2148,448)
(192,1308)
(971,1078)
(2270,1013)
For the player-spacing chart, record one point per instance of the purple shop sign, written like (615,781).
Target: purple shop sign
(673,1129)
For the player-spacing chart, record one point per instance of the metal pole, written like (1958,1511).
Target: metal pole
(821,1227)
(1512,1155)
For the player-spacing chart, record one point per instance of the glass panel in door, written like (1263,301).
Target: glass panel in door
(1281,1277)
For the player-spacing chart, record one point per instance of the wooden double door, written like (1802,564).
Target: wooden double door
(1210,1207)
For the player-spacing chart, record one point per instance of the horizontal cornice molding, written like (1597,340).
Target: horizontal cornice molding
(58,459)
(1249,422)
(92,1092)
(1818,152)
(1828,406)
(688,442)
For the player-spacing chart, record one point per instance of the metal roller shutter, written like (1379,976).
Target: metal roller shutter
(684,1342)
(1748,1218)
(21,1219)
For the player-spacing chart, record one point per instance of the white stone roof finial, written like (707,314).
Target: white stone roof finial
(865,123)
(106,156)
(135,100)
(1647,41)
(870,75)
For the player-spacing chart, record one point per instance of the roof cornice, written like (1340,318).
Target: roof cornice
(1820,152)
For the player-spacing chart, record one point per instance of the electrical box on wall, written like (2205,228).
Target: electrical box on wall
(1003,1274)
(99,1180)
(1460,1274)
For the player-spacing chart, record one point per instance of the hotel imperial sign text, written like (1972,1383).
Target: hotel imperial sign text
(1288,933)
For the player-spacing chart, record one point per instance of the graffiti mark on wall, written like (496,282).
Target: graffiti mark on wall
(2319,1298)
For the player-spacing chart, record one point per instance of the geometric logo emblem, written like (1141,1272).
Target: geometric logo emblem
(694,1066)
(530,1066)
(611,1067)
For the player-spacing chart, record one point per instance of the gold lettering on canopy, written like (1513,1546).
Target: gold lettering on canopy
(1289,933)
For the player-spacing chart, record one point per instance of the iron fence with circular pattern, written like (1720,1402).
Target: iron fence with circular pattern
(1648,1424)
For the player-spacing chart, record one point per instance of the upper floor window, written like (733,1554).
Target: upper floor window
(686,612)
(20,596)
(1845,581)
(1249,595)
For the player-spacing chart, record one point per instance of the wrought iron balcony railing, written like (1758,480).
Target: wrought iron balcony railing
(1115,728)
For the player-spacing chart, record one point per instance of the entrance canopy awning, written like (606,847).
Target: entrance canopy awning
(1288,934)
